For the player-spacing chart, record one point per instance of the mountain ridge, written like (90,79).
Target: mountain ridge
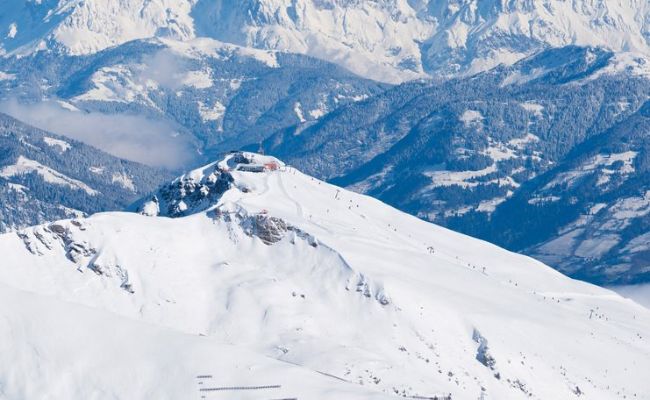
(390,40)
(274,263)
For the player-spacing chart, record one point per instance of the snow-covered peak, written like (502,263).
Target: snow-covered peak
(388,40)
(284,265)
(376,39)
(87,26)
(407,39)
(477,35)
(201,189)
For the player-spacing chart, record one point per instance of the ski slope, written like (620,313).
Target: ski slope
(331,293)
(57,350)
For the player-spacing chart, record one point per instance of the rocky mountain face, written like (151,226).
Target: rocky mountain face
(388,40)
(433,37)
(247,286)
(44,177)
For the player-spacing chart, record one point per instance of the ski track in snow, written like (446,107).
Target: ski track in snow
(283,189)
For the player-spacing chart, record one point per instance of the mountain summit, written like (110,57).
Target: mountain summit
(304,289)
(389,40)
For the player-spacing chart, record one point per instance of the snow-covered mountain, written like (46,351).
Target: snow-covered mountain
(266,278)
(412,38)
(79,27)
(389,40)
(45,177)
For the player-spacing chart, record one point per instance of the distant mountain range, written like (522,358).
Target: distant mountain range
(388,40)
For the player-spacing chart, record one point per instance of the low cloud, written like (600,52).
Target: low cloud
(639,293)
(132,137)
(165,68)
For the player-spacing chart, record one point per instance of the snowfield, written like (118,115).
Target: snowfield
(132,360)
(259,275)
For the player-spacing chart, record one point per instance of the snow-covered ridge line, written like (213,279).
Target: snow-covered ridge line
(271,260)
(390,41)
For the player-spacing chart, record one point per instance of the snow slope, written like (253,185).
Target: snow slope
(134,361)
(389,40)
(274,262)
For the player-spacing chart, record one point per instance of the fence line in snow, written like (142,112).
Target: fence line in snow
(217,389)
